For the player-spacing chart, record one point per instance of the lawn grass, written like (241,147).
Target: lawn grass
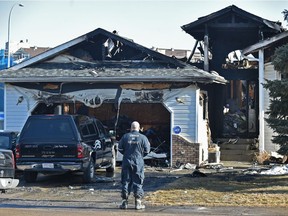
(223,190)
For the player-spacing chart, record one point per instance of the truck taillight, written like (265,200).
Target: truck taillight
(17,151)
(80,151)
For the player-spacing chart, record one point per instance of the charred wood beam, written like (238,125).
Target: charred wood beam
(103,51)
(146,86)
(233,25)
(206,49)
(193,51)
(117,96)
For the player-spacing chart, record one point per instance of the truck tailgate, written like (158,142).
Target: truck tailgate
(48,149)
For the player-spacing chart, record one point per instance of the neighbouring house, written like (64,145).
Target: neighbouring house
(19,52)
(23,54)
(265,49)
(235,109)
(117,80)
(23,51)
(181,54)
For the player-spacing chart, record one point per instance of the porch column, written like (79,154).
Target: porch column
(261,101)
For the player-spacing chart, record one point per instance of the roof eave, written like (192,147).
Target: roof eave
(264,43)
(184,79)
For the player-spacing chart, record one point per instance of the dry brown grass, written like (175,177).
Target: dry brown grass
(224,190)
(262,157)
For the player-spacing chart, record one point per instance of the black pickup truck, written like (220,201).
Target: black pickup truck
(64,143)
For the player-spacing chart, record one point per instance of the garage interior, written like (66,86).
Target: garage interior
(154,118)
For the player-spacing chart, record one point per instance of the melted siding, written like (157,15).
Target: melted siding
(184,112)
(15,115)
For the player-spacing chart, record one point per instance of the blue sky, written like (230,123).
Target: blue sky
(148,22)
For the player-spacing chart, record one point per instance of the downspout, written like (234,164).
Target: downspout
(261,100)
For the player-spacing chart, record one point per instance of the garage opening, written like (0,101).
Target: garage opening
(154,118)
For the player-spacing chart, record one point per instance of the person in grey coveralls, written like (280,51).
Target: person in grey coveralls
(134,146)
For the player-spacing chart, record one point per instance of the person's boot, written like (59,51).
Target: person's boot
(139,205)
(124,204)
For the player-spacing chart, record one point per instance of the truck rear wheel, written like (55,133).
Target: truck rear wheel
(112,168)
(89,172)
(30,176)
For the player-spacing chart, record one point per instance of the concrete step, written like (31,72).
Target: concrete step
(237,155)
(242,158)
(234,141)
(235,146)
(237,149)
(237,152)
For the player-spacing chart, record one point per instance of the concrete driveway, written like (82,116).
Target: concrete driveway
(66,195)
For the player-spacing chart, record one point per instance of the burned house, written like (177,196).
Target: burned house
(110,77)
(236,109)
(265,50)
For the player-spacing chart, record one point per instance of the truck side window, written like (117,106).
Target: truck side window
(92,129)
(84,130)
(101,129)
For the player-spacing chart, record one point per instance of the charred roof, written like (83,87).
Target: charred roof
(231,19)
(102,56)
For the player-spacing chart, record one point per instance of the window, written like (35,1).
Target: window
(84,130)
(101,129)
(91,129)
(49,128)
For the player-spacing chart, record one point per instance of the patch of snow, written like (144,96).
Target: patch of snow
(276,170)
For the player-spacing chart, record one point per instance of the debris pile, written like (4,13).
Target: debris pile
(266,158)
(234,123)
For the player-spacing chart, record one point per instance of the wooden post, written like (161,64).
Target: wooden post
(193,51)
(206,53)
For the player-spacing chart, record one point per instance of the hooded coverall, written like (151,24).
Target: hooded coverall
(134,146)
